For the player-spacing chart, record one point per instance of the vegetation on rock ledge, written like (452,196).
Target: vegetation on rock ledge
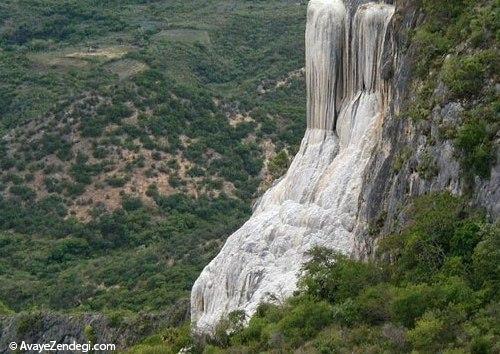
(456,60)
(433,288)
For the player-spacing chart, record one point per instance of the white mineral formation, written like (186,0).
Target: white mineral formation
(316,202)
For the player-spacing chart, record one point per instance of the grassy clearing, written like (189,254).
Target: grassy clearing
(184,35)
(126,68)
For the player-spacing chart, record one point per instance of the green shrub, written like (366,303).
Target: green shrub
(411,302)
(12,177)
(279,164)
(24,192)
(485,260)
(69,248)
(334,277)
(173,339)
(305,320)
(430,45)
(401,159)
(100,152)
(375,303)
(74,189)
(427,332)
(252,334)
(53,185)
(234,322)
(474,143)
(114,113)
(346,312)
(427,168)
(117,181)
(29,323)
(465,76)
(132,203)
(422,248)
(440,13)
(4,310)
(330,340)
(118,318)
(150,349)
(90,334)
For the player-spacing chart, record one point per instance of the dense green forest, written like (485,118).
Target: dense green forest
(134,137)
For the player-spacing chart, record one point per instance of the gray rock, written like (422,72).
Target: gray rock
(44,327)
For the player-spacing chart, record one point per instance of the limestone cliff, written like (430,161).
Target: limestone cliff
(413,158)
(317,202)
(360,162)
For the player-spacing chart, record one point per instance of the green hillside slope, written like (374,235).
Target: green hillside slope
(134,137)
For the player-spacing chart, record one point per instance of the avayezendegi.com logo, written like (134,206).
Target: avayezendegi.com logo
(53,346)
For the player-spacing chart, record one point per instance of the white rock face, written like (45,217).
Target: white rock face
(316,202)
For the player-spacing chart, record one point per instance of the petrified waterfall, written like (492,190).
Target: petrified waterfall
(316,202)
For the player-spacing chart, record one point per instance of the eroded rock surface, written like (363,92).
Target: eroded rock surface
(317,202)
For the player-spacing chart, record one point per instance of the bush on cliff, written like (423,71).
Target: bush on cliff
(4,310)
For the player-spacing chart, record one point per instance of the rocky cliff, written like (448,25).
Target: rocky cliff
(361,160)
(317,202)
(44,327)
(414,157)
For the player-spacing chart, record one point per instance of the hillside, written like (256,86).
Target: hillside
(134,137)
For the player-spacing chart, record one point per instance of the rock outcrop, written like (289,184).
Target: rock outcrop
(317,202)
(428,162)
(360,162)
(44,327)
